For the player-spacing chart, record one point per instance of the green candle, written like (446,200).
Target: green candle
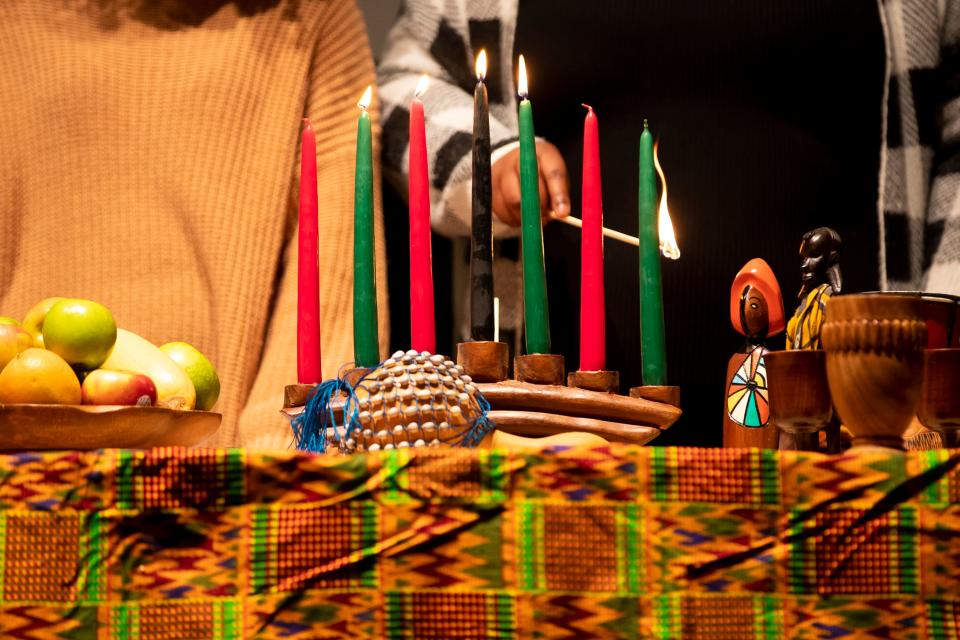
(366,348)
(536,314)
(652,347)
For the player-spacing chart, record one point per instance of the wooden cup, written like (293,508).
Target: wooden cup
(604,381)
(539,368)
(667,394)
(939,407)
(800,403)
(484,360)
(874,346)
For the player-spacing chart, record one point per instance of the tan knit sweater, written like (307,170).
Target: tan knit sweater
(148,160)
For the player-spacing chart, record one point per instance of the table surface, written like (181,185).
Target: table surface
(608,542)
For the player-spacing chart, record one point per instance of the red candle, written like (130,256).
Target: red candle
(422,330)
(592,317)
(308,267)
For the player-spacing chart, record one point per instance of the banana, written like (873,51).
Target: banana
(133,353)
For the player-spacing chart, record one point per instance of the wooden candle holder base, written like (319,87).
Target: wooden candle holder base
(606,381)
(539,368)
(658,393)
(539,410)
(484,360)
(296,395)
(353,376)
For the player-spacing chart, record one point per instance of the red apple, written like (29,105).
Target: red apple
(104,386)
(13,340)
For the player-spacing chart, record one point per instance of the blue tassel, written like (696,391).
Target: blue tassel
(481,425)
(310,427)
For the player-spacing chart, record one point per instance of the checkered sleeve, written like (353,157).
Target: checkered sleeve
(913,29)
(441,41)
(943,222)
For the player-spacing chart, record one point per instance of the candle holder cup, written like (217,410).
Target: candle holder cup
(603,380)
(657,393)
(484,360)
(800,402)
(539,368)
(939,407)
(873,345)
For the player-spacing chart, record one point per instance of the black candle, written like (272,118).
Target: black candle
(481,237)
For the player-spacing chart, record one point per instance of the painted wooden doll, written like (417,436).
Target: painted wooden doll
(756,312)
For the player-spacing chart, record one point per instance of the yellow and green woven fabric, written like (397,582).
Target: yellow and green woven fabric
(608,542)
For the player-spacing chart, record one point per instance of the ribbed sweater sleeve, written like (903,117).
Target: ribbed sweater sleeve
(148,160)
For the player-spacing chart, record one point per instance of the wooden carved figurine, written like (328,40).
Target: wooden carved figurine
(756,312)
(821,279)
(820,270)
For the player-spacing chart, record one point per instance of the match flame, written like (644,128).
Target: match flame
(481,67)
(422,85)
(522,79)
(668,241)
(365,99)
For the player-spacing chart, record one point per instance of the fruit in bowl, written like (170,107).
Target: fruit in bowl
(82,332)
(103,386)
(139,355)
(33,321)
(38,376)
(69,350)
(13,340)
(199,369)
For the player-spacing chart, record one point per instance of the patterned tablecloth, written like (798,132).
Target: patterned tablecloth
(612,542)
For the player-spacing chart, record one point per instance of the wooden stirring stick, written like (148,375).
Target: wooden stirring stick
(610,233)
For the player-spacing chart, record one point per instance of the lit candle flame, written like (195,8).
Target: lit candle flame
(422,85)
(522,79)
(668,241)
(481,67)
(365,99)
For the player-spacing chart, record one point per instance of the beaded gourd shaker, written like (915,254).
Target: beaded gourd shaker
(410,399)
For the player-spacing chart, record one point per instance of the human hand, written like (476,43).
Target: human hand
(554,190)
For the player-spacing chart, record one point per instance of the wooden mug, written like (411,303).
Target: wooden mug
(800,401)
(939,407)
(874,345)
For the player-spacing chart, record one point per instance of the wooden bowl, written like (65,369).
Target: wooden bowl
(799,395)
(874,346)
(36,427)
(939,407)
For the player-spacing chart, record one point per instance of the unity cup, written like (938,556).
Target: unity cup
(799,395)
(874,348)
(939,407)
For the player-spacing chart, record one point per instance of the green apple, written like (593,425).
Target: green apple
(33,321)
(82,332)
(200,371)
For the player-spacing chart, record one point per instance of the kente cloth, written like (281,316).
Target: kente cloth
(605,542)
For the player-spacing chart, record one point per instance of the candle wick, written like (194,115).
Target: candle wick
(645,123)
(586,106)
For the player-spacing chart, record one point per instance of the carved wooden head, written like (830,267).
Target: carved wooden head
(756,305)
(820,256)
